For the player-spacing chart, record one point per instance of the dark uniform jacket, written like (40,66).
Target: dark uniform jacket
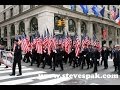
(72,53)
(59,54)
(105,54)
(94,55)
(17,54)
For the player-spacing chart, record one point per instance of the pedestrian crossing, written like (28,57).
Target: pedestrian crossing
(30,76)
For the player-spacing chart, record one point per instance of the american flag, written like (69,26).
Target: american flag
(104,33)
(77,47)
(39,46)
(113,13)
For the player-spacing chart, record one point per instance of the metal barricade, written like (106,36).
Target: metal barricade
(6,57)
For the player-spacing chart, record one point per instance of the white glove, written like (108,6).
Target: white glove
(90,59)
(84,55)
(97,59)
(55,51)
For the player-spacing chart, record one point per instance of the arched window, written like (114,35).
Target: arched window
(12,30)
(83,27)
(21,27)
(118,32)
(71,25)
(5,32)
(94,29)
(56,18)
(33,25)
(109,31)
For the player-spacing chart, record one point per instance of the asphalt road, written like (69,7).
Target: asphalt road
(31,76)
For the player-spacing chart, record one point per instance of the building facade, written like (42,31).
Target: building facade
(15,19)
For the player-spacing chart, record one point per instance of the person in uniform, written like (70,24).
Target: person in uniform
(105,54)
(47,59)
(59,57)
(84,54)
(116,57)
(119,62)
(88,56)
(94,58)
(17,59)
(33,55)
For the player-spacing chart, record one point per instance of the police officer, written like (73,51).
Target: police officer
(105,54)
(47,59)
(116,57)
(17,59)
(33,55)
(88,56)
(59,57)
(84,54)
(94,58)
(72,57)
(119,62)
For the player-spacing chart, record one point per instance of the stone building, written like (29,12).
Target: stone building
(15,19)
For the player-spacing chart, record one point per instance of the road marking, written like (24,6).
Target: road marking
(52,82)
(19,81)
(7,71)
(10,68)
(24,74)
(93,84)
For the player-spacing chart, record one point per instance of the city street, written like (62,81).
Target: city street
(30,76)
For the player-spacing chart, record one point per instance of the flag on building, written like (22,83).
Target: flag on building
(72,7)
(117,15)
(102,11)
(113,13)
(118,20)
(95,10)
(85,9)
(104,34)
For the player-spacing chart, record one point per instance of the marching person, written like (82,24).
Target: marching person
(71,56)
(94,58)
(59,57)
(84,54)
(88,56)
(33,56)
(116,57)
(119,62)
(47,59)
(17,59)
(105,54)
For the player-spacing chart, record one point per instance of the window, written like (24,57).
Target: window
(21,27)
(11,12)
(117,32)
(72,26)
(56,18)
(20,8)
(94,29)
(117,41)
(5,32)
(83,27)
(4,6)
(12,30)
(108,15)
(33,25)
(108,7)
(32,6)
(4,15)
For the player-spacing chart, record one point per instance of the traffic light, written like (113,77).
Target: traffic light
(63,22)
(59,23)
